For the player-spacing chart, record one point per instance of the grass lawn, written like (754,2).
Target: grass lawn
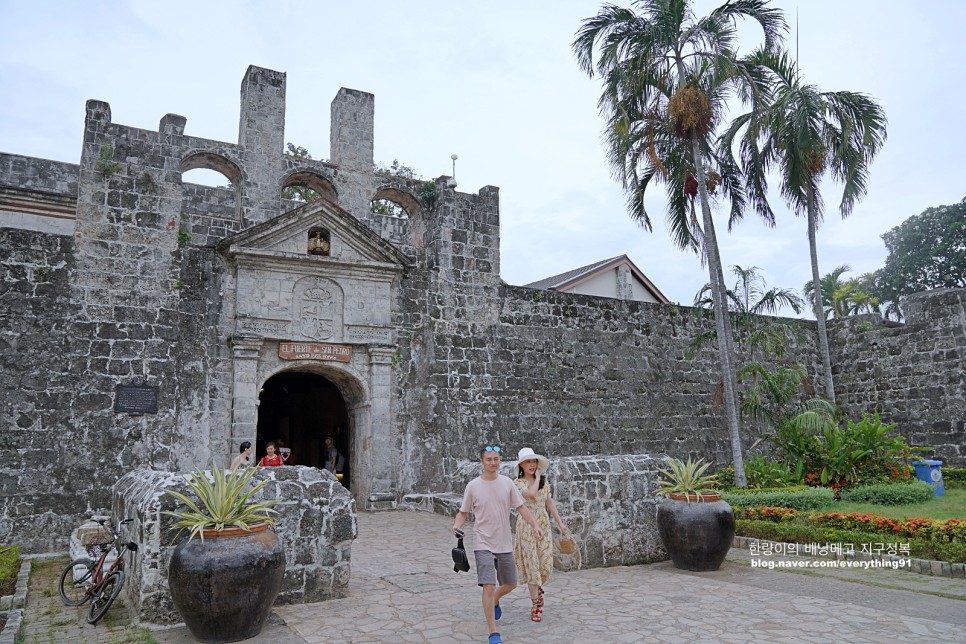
(9,567)
(951,505)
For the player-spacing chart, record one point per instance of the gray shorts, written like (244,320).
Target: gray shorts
(492,568)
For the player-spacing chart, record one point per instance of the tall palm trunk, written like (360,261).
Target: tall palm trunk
(722,319)
(817,304)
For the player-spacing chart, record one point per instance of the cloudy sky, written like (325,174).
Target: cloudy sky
(496,83)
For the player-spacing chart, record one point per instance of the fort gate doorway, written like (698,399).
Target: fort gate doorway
(301,408)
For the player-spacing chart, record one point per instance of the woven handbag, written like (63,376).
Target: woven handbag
(567,545)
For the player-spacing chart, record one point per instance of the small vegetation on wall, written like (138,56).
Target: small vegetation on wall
(106,163)
(149,185)
(428,193)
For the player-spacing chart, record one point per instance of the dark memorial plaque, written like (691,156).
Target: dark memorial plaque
(136,398)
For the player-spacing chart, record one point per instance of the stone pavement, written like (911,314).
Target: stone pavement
(403,589)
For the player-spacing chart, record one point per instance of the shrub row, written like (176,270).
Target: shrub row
(813,498)
(951,530)
(794,532)
(9,567)
(751,490)
(764,513)
(954,476)
(890,493)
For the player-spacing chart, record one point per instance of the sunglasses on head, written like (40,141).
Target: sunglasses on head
(492,448)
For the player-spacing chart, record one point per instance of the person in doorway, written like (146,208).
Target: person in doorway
(331,456)
(490,497)
(244,457)
(532,555)
(271,458)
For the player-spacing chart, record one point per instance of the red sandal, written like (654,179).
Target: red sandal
(539,596)
(535,612)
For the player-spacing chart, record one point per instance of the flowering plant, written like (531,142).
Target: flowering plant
(765,513)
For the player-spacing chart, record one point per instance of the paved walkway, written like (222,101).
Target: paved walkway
(403,589)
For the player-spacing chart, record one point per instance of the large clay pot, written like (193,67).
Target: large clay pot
(224,587)
(697,534)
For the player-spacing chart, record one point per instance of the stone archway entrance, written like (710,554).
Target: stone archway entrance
(365,386)
(302,408)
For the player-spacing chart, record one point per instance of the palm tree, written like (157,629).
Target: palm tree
(751,303)
(666,78)
(829,284)
(805,132)
(841,298)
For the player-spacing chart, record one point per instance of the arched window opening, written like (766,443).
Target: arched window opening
(388,208)
(209,178)
(202,171)
(208,169)
(320,241)
(306,187)
(393,202)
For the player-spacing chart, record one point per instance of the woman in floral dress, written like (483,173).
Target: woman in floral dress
(533,558)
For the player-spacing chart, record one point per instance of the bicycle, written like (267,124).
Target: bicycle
(86,579)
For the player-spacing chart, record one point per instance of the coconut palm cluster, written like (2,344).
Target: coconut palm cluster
(668,80)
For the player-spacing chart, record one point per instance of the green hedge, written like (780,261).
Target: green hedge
(890,493)
(751,490)
(954,476)
(804,533)
(953,552)
(809,498)
(9,567)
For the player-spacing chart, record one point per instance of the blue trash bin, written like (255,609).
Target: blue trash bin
(929,471)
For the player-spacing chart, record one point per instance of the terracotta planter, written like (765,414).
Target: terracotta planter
(697,534)
(224,587)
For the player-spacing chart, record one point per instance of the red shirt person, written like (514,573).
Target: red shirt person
(271,459)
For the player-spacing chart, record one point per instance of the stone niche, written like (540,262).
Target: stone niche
(316,520)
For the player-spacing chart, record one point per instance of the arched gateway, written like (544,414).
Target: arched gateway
(303,408)
(313,343)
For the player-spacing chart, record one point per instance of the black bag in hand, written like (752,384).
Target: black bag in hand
(460,562)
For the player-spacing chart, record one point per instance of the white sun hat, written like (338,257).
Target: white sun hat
(526,454)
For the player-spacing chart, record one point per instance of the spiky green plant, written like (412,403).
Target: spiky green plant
(687,478)
(223,501)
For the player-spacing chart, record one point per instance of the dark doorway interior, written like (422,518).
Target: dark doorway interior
(302,409)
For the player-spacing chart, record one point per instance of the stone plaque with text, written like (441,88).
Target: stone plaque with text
(136,399)
(314,351)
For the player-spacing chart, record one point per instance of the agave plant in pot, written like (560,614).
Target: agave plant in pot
(696,526)
(226,575)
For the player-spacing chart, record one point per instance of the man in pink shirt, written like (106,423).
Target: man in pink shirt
(490,497)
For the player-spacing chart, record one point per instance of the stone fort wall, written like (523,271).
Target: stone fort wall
(135,288)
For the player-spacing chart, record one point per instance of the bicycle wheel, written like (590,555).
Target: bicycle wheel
(74,582)
(106,593)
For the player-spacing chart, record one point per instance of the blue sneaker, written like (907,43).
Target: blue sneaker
(497,614)
(495,639)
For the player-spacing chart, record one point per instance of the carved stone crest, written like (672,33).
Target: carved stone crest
(319,309)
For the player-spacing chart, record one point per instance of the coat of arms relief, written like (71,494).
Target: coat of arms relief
(319,304)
